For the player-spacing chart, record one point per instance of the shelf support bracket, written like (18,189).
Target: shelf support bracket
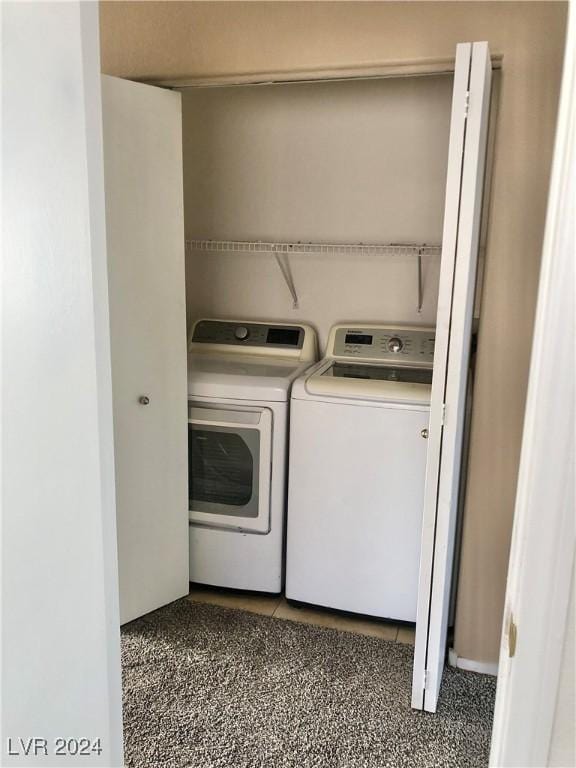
(284,266)
(420,286)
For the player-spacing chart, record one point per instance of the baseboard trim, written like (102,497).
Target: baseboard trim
(482,667)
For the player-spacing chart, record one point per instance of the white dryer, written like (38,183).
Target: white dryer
(239,380)
(359,422)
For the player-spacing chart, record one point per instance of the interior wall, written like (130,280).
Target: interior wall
(59,604)
(157,40)
(349,162)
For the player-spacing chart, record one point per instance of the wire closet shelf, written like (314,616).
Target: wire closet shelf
(244,246)
(281,252)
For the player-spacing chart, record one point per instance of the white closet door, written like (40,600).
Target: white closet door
(464,185)
(145,236)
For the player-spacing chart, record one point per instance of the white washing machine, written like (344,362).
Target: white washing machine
(239,380)
(359,422)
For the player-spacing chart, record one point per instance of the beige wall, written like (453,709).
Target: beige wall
(150,40)
(311,162)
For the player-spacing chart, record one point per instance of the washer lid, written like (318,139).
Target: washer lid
(338,378)
(242,377)
(367,372)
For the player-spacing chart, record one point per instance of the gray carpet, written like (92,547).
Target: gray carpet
(212,687)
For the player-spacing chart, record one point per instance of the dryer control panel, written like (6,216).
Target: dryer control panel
(248,334)
(390,344)
(252,338)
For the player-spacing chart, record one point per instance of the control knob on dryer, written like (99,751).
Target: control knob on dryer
(241,333)
(395,344)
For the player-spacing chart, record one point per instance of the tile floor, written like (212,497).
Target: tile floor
(280,609)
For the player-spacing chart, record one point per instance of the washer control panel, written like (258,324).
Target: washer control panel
(248,334)
(384,344)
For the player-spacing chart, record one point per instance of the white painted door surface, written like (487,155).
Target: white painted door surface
(60,668)
(464,186)
(145,237)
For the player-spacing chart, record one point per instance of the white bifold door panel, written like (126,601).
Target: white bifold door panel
(460,241)
(145,238)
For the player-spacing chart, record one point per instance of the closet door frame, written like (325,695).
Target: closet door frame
(535,641)
(438,67)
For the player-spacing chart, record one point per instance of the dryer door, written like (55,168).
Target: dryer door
(229,455)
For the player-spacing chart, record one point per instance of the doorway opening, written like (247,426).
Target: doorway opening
(294,166)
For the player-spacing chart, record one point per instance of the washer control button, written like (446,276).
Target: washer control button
(395,344)
(241,332)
